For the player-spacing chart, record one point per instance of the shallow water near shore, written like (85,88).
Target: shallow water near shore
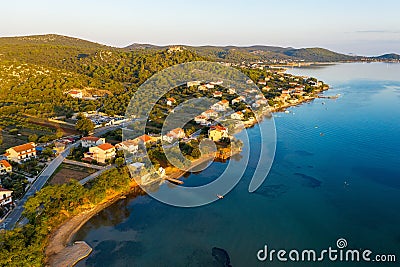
(336,174)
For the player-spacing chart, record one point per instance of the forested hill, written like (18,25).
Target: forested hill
(257,53)
(37,71)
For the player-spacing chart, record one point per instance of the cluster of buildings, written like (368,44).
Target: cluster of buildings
(99,150)
(18,154)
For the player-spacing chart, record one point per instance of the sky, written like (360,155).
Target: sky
(351,26)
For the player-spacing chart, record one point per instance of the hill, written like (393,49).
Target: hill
(258,53)
(391,56)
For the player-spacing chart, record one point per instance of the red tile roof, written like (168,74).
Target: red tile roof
(145,138)
(5,163)
(90,138)
(105,146)
(218,128)
(24,147)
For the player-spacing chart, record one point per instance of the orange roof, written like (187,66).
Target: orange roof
(224,101)
(177,130)
(74,92)
(145,138)
(24,147)
(5,163)
(90,138)
(105,146)
(171,99)
(218,128)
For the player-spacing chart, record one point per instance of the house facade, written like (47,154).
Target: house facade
(217,132)
(91,141)
(5,196)
(101,153)
(130,146)
(21,153)
(5,167)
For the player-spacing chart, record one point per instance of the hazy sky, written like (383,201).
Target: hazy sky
(361,27)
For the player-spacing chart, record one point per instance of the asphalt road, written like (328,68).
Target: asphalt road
(12,219)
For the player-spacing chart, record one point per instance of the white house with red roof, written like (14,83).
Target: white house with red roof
(201,119)
(131,146)
(91,141)
(5,167)
(100,153)
(217,94)
(21,153)
(177,133)
(237,116)
(75,94)
(221,105)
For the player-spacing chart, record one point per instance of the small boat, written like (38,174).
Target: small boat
(287,111)
(220,196)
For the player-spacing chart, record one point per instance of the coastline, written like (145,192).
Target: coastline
(58,249)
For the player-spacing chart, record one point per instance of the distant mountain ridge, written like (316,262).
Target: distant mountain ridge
(223,53)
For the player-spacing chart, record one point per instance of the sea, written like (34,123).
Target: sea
(334,185)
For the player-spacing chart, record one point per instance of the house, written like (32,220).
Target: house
(146,139)
(259,103)
(75,94)
(5,167)
(202,88)
(21,153)
(210,114)
(59,147)
(238,99)
(221,105)
(266,88)
(201,119)
(130,146)
(217,132)
(231,91)
(209,86)
(193,83)
(176,133)
(171,101)
(217,94)
(237,115)
(5,196)
(100,153)
(91,141)
(262,82)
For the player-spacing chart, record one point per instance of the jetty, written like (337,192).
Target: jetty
(173,180)
(329,96)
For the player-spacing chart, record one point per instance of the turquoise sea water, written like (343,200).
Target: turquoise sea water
(336,175)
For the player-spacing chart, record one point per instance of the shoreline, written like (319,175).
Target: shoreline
(58,249)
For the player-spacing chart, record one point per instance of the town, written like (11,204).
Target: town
(99,145)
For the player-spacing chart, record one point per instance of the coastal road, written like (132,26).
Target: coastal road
(14,216)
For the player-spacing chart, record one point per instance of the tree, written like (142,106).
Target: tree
(196,153)
(84,126)
(33,138)
(119,162)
